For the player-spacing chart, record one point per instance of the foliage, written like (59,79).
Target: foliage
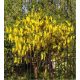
(12,10)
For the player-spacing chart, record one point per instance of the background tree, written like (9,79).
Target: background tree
(12,10)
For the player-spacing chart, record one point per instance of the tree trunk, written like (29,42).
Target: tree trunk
(35,71)
(45,72)
(51,71)
(51,74)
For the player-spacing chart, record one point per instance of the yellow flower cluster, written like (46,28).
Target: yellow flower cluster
(35,32)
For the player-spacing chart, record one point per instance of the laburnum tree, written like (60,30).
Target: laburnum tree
(38,37)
